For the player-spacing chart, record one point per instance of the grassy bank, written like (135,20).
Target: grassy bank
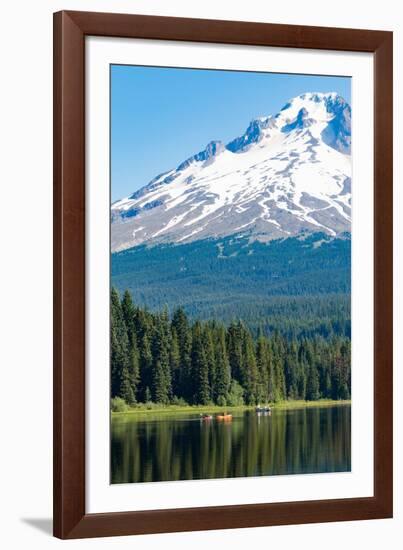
(300,404)
(147,409)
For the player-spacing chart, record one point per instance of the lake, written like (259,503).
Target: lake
(179,446)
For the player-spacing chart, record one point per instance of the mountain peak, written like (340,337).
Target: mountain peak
(328,112)
(253,134)
(304,111)
(287,173)
(319,105)
(327,98)
(319,96)
(212,149)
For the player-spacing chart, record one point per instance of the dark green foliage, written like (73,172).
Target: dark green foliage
(263,359)
(235,353)
(249,378)
(235,395)
(299,286)
(161,369)
(200,366)
(155,357)
(126,388)
(312,384)
(130,376)
(184,376)
(119,350)
(175,358)
(221,375)
(146,362)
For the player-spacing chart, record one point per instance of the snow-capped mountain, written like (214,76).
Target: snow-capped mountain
(288,173)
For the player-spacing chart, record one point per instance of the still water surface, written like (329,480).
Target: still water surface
(178,446)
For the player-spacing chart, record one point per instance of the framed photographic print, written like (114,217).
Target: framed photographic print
(223,274)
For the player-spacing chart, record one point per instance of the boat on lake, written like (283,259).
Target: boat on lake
(224,416)
(206,416)
(263,410)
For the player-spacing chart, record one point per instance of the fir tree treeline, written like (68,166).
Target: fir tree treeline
(167,359)
(299,286)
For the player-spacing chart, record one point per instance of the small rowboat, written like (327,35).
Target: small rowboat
(224,417)
(263,410)
(206,417)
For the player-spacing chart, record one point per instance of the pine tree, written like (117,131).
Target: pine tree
(235,349)
(277,352)
(209,350)
(291,370)
(180,323)
(263,366)
(145,364)
(130,376)
(221,380)
(249,371)
(345,351)
(161,373)
(174,361)
(126,388)
(312,384)
(341,373)
(128,313)
(134,368)
(200,367)
(119,347)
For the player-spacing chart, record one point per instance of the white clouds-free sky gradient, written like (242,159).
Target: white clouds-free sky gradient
(161,116)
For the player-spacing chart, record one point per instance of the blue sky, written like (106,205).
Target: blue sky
(161,116)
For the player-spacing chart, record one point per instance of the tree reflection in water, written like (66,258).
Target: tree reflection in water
(180,446)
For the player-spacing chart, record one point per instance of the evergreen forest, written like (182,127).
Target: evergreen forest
(167,357)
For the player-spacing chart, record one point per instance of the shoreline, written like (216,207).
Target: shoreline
(177,409)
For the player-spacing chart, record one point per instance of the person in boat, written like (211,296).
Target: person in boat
(224,416)
(265,409)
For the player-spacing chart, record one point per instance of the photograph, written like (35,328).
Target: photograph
(202,275)
(230,274)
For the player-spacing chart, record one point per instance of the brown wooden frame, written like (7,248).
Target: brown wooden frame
(70,517)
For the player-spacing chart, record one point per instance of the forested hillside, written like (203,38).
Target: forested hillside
(167,358)
(299,286)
